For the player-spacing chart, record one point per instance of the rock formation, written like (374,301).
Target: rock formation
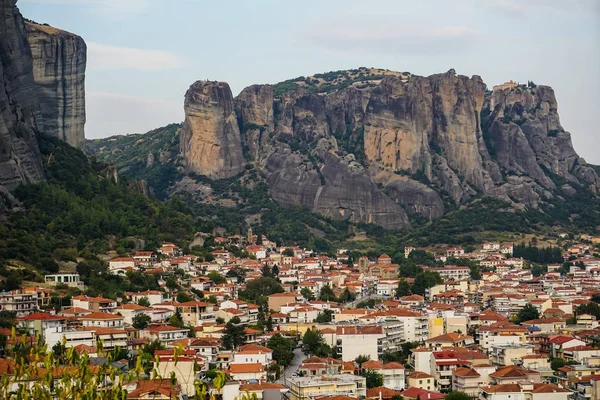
(210,136)
(398,145)
(59,61)
(20,116)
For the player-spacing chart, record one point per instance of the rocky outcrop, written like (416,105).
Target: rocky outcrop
(59,61)
(210,137)
(397,146)
(523,131)
(20,116)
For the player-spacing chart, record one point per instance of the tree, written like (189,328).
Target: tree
(144,302)
(455,395)
(216,277)
(346,296)
(266,271)
(403,288)
(325,316)
(591,308)
(327,294)
(283,349)
(172,283)
(269,324)
(361,359)
(261,287)
(288,252)
(397,397)
(275,270)
(307,294)
(373,378)
(141,321)
(557,363)
(425,280)
(182,297)
(234,335)
(527,313)
(313,341)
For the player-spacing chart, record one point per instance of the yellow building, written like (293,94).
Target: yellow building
(421,380)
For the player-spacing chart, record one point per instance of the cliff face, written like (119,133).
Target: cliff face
(59,61)
(380,147)
(20,116)
(210,136)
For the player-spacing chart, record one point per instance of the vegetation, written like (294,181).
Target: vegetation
(234,335)
(527,313)
(282,349)
(457,396)
(373,378)
(314,342)
(81,212)
(536,254)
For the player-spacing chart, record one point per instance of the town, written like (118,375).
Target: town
(493,321)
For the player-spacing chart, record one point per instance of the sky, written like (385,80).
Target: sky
(144,54)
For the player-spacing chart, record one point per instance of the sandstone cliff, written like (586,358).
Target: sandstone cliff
(20,116)
(210,136)
(374,147)
(59,61)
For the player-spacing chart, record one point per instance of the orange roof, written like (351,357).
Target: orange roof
(449,337)
(382,392)
(254,348)
(100,315)
(466,372)
(372,364)
(419,375)
(41,317)
(245,368)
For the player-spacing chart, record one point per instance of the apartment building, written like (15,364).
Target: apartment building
(306,388)
(18,301)
(371,340)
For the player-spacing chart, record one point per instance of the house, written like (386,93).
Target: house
(468,380)
(277,300)
(451,339)
(130,310)
(164,333)
(71,280)
(95,304)
(418,394)
(144,258)
(38,323)
(101,319)
(207,348)
(253,353)
(559,343)
(246,372)
(524,391)
(120,265)
(153,296)
(420,380)
(382,393)
(183,367)
(156,389)
(197,312)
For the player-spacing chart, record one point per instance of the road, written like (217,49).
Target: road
(293,367)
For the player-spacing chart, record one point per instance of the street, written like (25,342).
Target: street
(293,367)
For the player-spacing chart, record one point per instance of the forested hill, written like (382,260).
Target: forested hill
(81,211)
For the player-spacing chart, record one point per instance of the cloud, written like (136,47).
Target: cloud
(103,57)
(113,114)
(380,34)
